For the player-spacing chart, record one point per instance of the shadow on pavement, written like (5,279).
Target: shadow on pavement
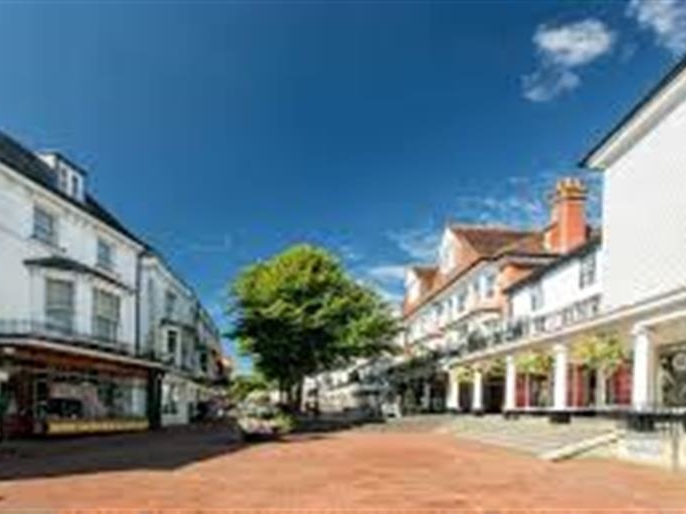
(165,450)
(160,450)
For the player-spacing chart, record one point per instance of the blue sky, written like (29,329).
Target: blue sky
(223,132)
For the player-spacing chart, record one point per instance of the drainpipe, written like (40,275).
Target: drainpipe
(137,302)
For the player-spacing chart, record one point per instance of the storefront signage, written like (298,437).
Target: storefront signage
(60,427)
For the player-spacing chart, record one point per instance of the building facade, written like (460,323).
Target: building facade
(72,358)
(461,304)
(602,328)
(178,331)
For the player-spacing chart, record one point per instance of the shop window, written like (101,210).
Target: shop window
(79,395)
(106,312)
(59,304)
(673,375)
(170,399)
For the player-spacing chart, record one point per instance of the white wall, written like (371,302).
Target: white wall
(644,215)
(153,305)
(560,288)
(23,288)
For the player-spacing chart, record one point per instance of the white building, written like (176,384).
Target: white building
(72,355)
(460,305)
(176,330)
(628,291)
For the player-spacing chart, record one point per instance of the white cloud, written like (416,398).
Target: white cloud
(666,18)
(390,292)
(349,254)
(419,244)
(522,201)
(387,274)
(547,83)
(562,50)
(574,44)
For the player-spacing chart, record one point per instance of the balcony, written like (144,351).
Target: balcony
(64,335)
(577,312)
(519,329)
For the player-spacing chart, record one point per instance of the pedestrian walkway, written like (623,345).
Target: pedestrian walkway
(533,435)
(348,471)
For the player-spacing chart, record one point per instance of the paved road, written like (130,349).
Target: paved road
(359,471)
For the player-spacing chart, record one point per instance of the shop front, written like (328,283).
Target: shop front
(53,393)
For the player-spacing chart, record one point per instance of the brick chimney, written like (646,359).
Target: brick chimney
(568,227)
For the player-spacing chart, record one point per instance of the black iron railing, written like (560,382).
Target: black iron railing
(67,335)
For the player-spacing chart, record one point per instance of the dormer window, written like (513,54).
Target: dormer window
(44,226)
(75,186)
(105,257)
(489,284)
(62,179)
(70,179)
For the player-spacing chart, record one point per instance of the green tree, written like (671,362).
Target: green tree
(601,351)
(242,385)
(298,314)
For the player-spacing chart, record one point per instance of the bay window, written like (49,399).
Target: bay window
(106,314)
(59,304)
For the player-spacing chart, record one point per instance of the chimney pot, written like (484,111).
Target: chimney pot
(568,227)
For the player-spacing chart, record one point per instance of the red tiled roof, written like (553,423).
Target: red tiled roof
(488,243)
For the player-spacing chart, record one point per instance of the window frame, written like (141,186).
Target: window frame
(107,263)
(537,297)
(588,270)
(171,300)
(39,232)
(490,281)
(53,311)
(101,318)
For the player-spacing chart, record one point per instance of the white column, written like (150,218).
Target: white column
(601,387)
(426,395)
(453,400)
(510,383)
(560,377)
(477,391)
(644,362)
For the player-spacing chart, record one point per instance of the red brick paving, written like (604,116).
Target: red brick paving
(351,471)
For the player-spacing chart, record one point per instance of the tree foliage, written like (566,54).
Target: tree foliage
(299,313)
(495,367)
(534,363)
(243,385)
(463,373)
(602,350)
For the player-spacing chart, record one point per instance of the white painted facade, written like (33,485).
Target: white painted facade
(176,329)
(22,295)
(566,293)
(75,282)
(644,210)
